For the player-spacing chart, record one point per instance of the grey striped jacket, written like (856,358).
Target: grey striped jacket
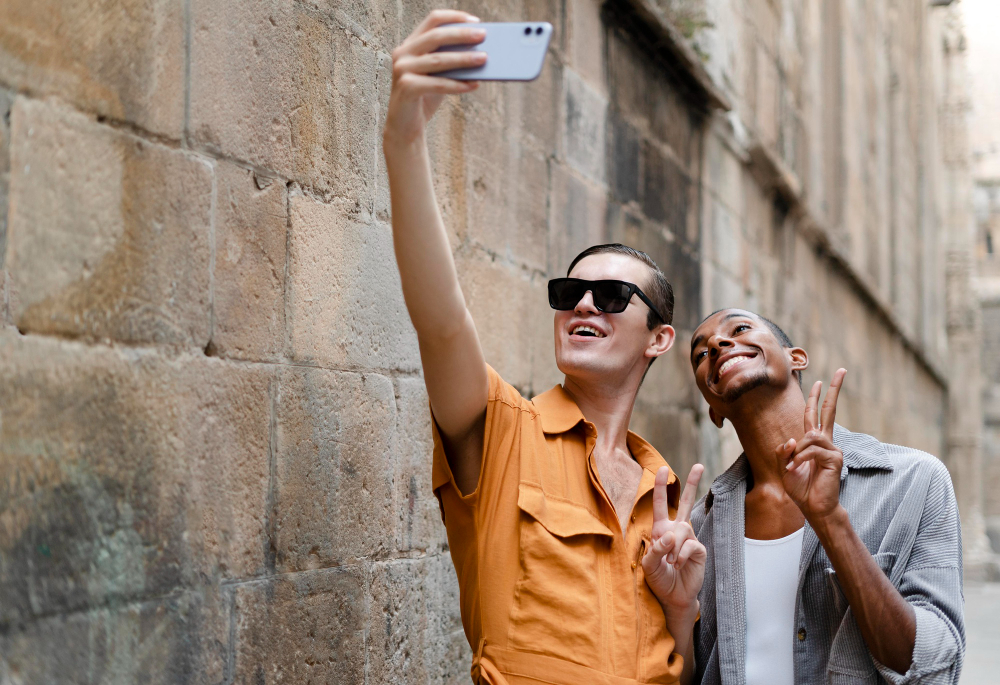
(902,505)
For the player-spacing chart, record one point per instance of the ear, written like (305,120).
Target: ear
(715,418)
(663,340)
(798,358)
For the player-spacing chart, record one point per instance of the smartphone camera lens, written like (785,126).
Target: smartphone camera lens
(527,30)
(538,30)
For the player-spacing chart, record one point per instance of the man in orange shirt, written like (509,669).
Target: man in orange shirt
(570,567)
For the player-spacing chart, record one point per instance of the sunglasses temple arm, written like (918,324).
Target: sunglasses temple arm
(649,303)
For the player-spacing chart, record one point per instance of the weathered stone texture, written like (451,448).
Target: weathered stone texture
(416,633)
(496,294)
(251,222)
(6,102)
(108,234)
(376,22)
(179,640)
(335,469)
(345,305)
(123,60)
(305,628)
(577,217)
(508,219)
(125,475)
(418,513)
(586,111)
(280,86)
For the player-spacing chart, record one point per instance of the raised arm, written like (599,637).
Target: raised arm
(454,367)
(811,478)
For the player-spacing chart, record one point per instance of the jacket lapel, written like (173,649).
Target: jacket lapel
(729,492)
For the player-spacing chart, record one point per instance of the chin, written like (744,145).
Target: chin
(587,365)
(738,390)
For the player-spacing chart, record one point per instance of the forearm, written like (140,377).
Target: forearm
(887,621)
(427,271)
(680,624)
(453,362)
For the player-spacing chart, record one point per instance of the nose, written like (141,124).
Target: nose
(717,345)
(586,304)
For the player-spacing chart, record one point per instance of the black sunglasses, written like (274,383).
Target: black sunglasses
(611,297)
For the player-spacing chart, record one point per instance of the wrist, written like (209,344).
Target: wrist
(829,524)
(399,145)
(681,611)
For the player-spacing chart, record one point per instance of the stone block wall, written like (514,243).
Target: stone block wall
(987,211)
(214,436)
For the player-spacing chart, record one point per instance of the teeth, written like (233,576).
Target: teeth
(587,329)
(731,363)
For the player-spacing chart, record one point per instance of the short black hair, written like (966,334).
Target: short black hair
(775,329)
(658,290)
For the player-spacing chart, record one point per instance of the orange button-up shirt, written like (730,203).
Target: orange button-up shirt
(551,590)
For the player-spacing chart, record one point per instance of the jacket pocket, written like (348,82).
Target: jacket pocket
(558,602)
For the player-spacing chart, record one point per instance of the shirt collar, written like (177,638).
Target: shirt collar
(558,410)
(860,452)
(560,413)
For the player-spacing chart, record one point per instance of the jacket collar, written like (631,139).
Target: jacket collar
(860,452)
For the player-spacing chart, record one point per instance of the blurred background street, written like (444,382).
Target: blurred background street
(982,616)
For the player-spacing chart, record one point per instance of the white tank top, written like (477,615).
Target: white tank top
(771,568)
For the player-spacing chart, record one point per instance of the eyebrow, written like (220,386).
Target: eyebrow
(727,317)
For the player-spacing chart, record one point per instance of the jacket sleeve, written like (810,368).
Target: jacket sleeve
(932,585)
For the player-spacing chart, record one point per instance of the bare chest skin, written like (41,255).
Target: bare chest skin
(620,475)
(771,514)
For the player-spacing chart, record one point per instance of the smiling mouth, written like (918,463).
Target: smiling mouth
(731,363)
(586,332)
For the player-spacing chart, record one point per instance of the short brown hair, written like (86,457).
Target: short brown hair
(658,290)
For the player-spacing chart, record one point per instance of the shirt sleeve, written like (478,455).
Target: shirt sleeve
(932,585)
(505,409)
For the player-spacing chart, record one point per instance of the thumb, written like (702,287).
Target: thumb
(783,453)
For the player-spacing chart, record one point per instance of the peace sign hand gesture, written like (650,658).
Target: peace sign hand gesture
(674,564)
(811,468)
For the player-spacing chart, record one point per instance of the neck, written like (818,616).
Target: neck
(762,423)
(608,407)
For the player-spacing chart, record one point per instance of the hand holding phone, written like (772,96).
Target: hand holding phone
(515,51)
(416,91)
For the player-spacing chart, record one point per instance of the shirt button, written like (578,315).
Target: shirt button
(802,634)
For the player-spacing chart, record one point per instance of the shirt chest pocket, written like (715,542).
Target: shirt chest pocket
(563,555)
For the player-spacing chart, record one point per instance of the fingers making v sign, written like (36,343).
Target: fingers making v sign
(811,467)
(674,564)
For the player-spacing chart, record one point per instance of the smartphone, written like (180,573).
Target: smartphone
(514,52)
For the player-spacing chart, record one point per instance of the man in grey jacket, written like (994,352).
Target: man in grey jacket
(832,557)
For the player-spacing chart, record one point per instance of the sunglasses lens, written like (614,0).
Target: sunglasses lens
(611,296)
(564,294)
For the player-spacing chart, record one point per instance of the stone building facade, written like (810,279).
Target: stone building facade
(984,134)
(214,437)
